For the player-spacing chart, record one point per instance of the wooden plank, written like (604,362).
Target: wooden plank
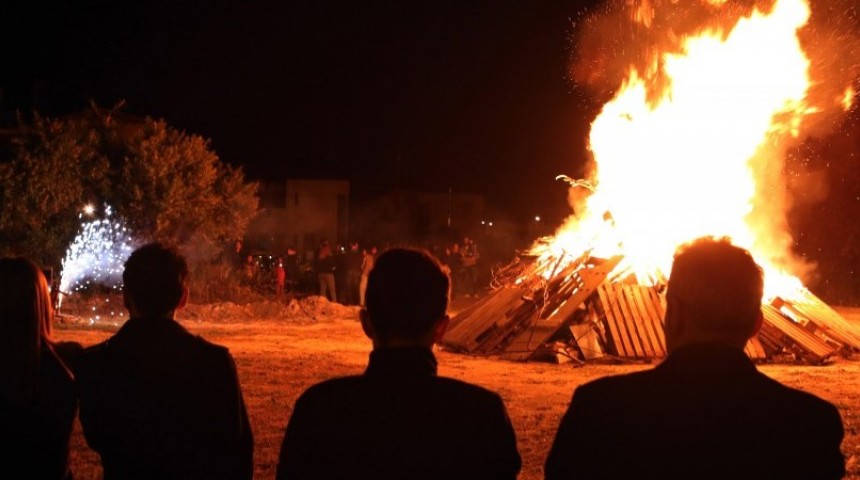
(611,322)
(656,308)
(586,340)
(626,324)
(639,323)
(480,322)
(811,347)
(623,338)
(825,315)
(638,296)
(589,278)
(828,325)
(655,320)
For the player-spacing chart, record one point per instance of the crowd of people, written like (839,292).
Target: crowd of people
(156,401)
(339,273)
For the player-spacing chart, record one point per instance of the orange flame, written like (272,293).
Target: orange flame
(704,155)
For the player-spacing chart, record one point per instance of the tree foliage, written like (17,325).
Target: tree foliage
(169,186)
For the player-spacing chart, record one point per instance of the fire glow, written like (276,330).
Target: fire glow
(703,154)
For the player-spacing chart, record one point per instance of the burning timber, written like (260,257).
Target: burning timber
(588,309)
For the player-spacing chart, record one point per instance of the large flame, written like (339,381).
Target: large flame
(703,154)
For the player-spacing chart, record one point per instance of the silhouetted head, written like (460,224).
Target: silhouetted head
(714,295)
(407,299)
(25,326)
(155,278)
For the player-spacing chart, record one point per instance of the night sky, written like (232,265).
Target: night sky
(474,96)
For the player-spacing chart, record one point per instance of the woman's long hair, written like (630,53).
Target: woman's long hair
(25,327)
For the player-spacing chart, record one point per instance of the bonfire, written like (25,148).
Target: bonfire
(691,144)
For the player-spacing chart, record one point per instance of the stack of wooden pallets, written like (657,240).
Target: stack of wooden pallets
(582,305)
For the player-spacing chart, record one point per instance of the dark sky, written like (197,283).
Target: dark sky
(471,95)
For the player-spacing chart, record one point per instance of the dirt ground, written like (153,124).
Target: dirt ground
(278,359)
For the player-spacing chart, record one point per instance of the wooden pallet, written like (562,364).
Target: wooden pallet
(584,281)
(778,329)
(486,319)
(633,317)
(828,324)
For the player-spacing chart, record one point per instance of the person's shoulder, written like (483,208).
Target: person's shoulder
(334,385)
(333,389)
(789,397)
(69,352)
(611,385)
(92,357)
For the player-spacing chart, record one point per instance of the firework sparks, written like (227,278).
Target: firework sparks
(95,258)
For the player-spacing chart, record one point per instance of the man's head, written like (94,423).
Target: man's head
(353,246)
(714,295)
(407,299)
(155,278)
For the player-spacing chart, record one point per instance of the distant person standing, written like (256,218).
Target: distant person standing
(353,261)
(293,266)
(37,393)
(325,266)
(455,264)
(706,412)
(366,266)
(237,255)
(157,401)
(400,420)
(280,278)
(470,267)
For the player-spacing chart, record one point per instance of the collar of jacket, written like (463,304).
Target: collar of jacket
(401,362)
(144,324)
(708,360)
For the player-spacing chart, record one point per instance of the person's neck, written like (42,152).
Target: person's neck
(700,338)
(135,313)
(401,343)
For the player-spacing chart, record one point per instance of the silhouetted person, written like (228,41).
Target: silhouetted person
(325,265)
(353,260)
(705,412)
(37,397)
(155,400)
(399,420)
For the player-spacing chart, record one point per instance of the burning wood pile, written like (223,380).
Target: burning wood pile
(708,97)
(590,308)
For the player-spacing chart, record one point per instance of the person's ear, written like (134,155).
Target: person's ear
(440,328)
(365,323)
(759,320)
(183,300)
(126,301)
(673,322)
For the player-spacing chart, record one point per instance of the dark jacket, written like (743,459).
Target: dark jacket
(325,265)
(34,438)
(399,421)
(705,412)
(159,402)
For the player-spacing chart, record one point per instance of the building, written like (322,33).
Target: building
(300,213)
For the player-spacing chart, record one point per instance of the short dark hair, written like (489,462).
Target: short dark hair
(407,292)
(155,276)
(719,284)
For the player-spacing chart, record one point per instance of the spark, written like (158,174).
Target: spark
(96,256)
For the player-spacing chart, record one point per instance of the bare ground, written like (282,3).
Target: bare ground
(279,359)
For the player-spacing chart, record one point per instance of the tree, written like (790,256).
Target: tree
(56,168)
(173,188)
(168,185)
